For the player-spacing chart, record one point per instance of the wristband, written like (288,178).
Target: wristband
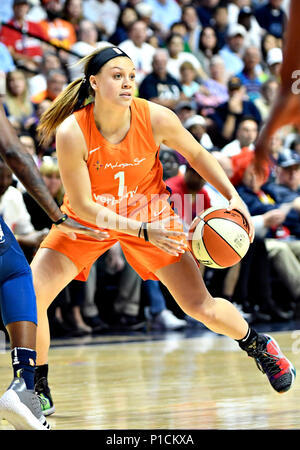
(144,228)
(146,237)
(139,233)
(63,218)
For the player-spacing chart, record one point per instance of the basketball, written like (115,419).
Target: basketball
(219,238)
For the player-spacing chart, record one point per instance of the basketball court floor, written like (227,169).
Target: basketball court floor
(191,379)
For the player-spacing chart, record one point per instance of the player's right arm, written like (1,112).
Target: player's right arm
(72,155)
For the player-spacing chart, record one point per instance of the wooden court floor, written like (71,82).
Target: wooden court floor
(170,382)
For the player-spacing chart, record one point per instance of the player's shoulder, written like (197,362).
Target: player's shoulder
(161,115)
(67,125)
(69,136)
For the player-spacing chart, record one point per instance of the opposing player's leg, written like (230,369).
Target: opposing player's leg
(184,281)
(52,271)
(19,404)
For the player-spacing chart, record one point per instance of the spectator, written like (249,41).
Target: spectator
(17,101)
(208,47)
(295,144)
(274,62)
(177,56)
(190,18)
(232,51)
(268,91)
(245,137)
(271,17)
(276,146)
(65,314)
(104,13)
(185,109)
(25,50)
(170,163)
(144,11)
(284,252)
(138,50)
(197,126)
(6,10)
(58,31)
(228,115)
(73,13)
(182,29)
(30,146)
(221,23)
(213,91)
(254,31)
(56,81)
(249,76)
(127,17)
(286,188)
(268,42)
(118,292)
(51,176)
(206,12)
(159,86)
(188,195)
(160,318)
(87,43)
(6,61)
(188,76)
(38,83)
(165,13)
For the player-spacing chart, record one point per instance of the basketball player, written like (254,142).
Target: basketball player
(286,107)
(19,404)
(112,146)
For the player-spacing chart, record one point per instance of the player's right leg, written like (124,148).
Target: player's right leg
(52,271)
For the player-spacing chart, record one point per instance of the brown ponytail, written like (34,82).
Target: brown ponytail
(72,98)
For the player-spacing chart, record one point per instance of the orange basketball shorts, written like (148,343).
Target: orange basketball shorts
(144,257)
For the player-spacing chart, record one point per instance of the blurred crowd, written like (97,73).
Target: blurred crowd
(216,64)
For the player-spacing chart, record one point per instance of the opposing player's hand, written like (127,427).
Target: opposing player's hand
(237,203)
(71,227)
(170,241)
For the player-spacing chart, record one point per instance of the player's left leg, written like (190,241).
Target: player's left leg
(184,281)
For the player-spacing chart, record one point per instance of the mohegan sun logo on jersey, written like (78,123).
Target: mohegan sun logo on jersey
(2,237)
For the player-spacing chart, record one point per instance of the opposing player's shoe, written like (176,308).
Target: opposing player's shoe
(22,408)
(44,394)
(271,361)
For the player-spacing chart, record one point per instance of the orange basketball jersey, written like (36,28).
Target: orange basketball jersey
(125,177)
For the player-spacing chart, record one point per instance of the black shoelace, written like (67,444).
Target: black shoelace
(265,361)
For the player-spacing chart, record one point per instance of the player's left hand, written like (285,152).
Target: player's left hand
(237,203)
(71,227)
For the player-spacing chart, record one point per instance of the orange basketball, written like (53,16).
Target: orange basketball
(219,238)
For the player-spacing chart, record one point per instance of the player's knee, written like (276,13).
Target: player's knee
(201,309)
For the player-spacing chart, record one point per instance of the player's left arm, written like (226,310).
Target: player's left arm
(168,130)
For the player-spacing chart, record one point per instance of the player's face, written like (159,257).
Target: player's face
(116,81)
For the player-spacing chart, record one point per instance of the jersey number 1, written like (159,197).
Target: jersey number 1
(121,177)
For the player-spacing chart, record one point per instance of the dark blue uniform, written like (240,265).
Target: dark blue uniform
(17,299)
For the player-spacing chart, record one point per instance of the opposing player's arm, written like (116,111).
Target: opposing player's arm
(24,167)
